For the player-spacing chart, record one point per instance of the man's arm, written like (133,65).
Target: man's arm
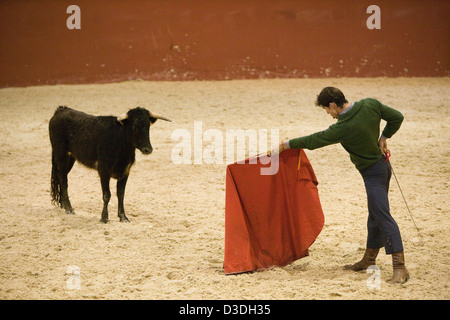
(393,120)
(316,140)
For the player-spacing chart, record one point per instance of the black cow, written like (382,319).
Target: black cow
(104,143)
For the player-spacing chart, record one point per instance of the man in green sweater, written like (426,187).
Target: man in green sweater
(358,130)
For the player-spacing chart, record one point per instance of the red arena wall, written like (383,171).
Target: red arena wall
(220,40)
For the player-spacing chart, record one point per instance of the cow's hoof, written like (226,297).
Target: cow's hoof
(70,211)
(124,220)
(104,220)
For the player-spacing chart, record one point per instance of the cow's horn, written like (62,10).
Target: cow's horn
(159,117)
(122,117)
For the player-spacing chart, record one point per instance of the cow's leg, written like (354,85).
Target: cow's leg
(70,162)
(65,163)
(104,179)
(121,183)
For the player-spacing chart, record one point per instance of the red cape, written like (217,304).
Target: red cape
(270,220)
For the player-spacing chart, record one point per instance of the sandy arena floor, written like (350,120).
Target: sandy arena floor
(173,247)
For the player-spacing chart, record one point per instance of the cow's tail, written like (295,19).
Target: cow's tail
(55,184)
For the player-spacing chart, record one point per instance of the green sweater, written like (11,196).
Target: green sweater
(358,131)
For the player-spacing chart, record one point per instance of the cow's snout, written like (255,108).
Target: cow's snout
(146,150)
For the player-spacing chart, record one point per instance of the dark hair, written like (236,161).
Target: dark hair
(329,95)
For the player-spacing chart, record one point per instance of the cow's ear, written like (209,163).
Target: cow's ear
(152,120)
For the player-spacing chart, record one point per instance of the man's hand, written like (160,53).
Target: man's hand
(281,148)
(382,143)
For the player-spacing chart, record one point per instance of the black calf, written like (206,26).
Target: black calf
(104,143)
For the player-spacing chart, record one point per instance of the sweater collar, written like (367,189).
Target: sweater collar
(346,110)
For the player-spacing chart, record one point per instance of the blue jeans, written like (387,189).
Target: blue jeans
(382,230)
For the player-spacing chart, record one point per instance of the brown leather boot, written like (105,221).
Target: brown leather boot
(368,260)
(400,275)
